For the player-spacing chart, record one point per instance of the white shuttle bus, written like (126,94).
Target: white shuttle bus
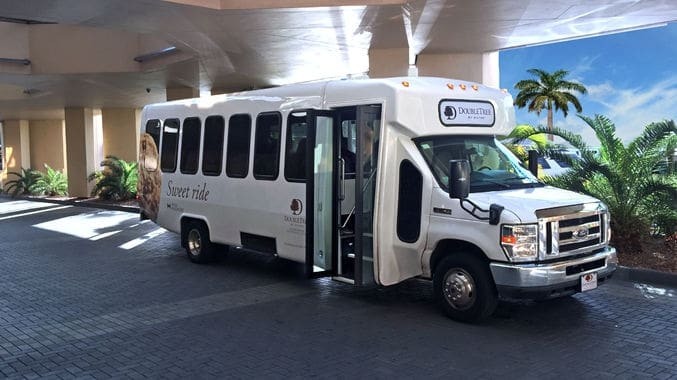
(372,182)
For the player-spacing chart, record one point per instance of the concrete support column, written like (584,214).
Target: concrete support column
(17,151)
(121,132)
(48,144)
(388,62)
(176,93)
(482,67)
(80,150)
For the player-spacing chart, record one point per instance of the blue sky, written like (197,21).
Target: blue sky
(631,78)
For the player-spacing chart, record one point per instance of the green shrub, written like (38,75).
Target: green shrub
(23,183)
(117,181)
(52,183)
(630,179)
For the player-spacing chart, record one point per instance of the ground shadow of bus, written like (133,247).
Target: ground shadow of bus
(412,297)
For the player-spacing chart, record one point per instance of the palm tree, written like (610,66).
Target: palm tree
(549,91)
(629,179)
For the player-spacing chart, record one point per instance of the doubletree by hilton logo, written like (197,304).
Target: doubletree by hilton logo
(296,206)
(450,112)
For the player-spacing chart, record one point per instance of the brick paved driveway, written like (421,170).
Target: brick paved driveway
(90,293)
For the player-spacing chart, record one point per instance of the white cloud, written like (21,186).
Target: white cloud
(583,66)
(633,108)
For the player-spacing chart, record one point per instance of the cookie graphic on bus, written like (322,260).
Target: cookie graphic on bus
(148,187)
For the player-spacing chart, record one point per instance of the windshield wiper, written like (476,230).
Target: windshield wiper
(504,185)
(514,178)
(529,184)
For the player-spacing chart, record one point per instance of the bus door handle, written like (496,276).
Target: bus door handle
(342,179)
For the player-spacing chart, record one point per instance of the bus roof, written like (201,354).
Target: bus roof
(422,105)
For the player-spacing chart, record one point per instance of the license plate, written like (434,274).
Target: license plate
(588,281)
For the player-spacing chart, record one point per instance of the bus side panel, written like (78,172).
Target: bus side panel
(232,206)
(399,260)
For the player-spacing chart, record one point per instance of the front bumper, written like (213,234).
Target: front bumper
(537,281)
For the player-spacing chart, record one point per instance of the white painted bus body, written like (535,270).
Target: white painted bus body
(410,109)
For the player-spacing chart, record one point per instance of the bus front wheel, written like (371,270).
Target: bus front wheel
(464,288)
(198,246)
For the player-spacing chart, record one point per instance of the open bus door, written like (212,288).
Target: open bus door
(340,243)
(321,194)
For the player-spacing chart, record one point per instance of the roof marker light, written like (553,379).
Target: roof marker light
(475,87)
(450,86)
(405,83)
(463,87)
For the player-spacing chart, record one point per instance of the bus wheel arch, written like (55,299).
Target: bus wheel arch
(195,238)
(462,282)
(448,247)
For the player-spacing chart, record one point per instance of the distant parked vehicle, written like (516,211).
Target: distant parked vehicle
(555,166)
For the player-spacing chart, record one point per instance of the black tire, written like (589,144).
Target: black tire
(199,248)
(464,288)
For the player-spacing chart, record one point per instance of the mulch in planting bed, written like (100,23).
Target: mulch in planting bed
(658,253)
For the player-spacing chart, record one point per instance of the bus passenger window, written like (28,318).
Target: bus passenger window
(170,143)
(348,139)
(190,145)
(212,151)
(149,155)
(295,152)
(153,129)
(267,146)
(237,150)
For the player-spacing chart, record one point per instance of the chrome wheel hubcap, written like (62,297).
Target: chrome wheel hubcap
(459,289)
(194,242)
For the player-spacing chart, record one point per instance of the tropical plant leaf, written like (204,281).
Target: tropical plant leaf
(117,180)
(634,181)
(23,182)
(51,183)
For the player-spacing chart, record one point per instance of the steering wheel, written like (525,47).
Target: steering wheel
(484,168)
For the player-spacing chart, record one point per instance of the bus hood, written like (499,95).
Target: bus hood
(525,202)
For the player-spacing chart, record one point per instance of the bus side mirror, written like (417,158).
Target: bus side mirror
(459,179)
(533,162)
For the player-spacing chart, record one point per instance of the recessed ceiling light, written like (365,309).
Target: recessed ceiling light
(16,61)
(156,54)
(24,21)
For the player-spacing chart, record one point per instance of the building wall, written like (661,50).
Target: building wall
(121,132)
(48,144)
(16,149)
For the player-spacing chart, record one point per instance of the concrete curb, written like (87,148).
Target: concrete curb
(90,204)
(80,202)
(647,276)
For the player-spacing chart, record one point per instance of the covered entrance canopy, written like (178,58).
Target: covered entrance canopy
(119,55)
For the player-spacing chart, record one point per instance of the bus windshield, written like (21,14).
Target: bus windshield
(493,167)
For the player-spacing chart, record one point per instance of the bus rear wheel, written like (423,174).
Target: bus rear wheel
(464,288)
(198,246)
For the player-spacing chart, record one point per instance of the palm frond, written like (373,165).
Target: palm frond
(605,130)
(118,179)
(651,135)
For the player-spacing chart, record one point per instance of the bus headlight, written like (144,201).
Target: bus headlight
(520,241)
